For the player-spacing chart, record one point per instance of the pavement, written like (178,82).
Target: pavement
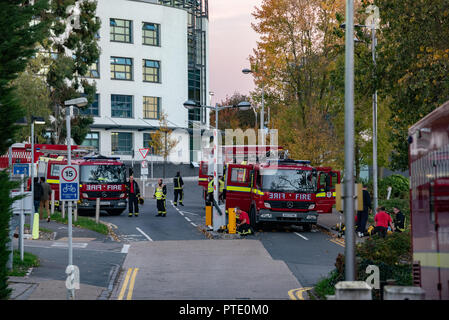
(97,256)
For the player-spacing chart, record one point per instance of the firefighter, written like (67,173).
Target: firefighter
(243,224)
(160,194)
(221,189)
(399,220)
(210,191)
(133,196)
(178,189)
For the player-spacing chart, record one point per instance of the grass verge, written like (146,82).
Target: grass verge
(82,222)
(20,267)
(26,225)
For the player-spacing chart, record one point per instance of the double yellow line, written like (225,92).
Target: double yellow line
(339,241)
(296,294)
(131,284)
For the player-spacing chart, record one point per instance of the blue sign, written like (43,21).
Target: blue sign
(69,191)
(21,168)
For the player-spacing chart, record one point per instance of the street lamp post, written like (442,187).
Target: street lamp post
(79,102)
(262,111)
(189,104)
(34,120)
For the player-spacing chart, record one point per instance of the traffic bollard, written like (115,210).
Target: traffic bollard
(52,202)
(208,215)
(36,226)
(97,210)
(232,222)
(75,212)
(63,210)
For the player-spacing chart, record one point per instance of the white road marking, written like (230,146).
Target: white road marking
(195,214)
(74,244)
(193,224)
(144,234)
(125,248)
(182,214)
(187,219)
(300,235)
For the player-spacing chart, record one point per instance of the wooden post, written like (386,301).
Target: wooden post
(97,210)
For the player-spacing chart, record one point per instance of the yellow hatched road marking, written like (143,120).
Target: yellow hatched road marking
(131,285)
(340,242)
(125,284)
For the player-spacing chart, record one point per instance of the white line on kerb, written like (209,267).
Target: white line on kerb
(298,234)
(144,234)
(125,248)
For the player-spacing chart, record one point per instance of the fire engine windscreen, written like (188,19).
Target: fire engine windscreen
(289,180)
(103,174)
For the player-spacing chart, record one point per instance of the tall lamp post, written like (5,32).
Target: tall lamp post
(78,102)
(191,105)
(34,120)
(262,111)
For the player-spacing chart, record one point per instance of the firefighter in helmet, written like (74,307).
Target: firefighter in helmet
(178,189)
(160,194)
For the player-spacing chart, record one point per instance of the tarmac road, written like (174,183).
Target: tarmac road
(174,243)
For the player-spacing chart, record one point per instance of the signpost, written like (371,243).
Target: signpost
(21,168)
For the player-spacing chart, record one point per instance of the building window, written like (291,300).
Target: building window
(121,30)
(92,140)
(121,106)
(151,107)
(92,109)
(151,71)
(94,70)
(121,68)
(121,143)
(150,34)
(146,142)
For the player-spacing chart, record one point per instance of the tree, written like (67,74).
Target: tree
(233,118)
(413,62)
(161,143)
(17,45)
(68,54)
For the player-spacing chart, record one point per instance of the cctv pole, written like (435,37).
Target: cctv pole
(349,143)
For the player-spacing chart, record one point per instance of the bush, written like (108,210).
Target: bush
(326,286)
(399,185)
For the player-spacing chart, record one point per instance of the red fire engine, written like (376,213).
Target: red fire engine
(100,177)
(429,201)
(281,191)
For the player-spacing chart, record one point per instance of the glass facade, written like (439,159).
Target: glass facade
(92,140)
(93,108)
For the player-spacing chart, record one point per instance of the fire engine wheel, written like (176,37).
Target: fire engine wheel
(115,212)
(252,217)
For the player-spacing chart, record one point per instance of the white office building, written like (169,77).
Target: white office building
(154,57)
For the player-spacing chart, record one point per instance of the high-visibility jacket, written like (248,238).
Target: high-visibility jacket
(178,183)
(160,192)
(210,186)
(221,184)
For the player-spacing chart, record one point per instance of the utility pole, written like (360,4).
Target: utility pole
(349,143)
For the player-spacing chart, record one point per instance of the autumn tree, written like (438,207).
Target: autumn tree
(413,63)
(161,141)
(234,118)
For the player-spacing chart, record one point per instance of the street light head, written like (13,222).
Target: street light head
(246,71)
(22,121)
(37,120)
(79,102)
(190,105)
(244,105)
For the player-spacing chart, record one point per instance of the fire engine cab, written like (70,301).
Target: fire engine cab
(281,191)
(100,177)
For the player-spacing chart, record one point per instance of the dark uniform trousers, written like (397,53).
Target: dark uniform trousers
(178,193)
(133,202)
(161,209)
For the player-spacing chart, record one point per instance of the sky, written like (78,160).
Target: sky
(231,42)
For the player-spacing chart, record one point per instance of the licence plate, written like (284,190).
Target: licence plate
(105,203)
(289,215)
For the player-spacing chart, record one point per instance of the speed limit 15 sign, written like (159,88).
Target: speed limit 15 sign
(69,183)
